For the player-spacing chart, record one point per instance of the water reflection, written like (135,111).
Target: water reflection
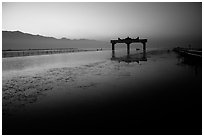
(130,58)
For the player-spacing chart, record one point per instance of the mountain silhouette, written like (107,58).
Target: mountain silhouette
(18,40)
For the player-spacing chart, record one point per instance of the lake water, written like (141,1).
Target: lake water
(56,60)
(59,60)
(162,95)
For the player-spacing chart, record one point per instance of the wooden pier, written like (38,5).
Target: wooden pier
(193,53)
(128,41)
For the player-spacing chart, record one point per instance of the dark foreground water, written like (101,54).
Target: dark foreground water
(162,95)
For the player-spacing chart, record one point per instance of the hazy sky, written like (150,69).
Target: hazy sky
(105,21)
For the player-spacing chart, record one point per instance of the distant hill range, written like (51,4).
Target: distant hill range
(15,40)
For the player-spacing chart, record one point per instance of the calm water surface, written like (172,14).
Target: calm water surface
(59,60)
(162,95)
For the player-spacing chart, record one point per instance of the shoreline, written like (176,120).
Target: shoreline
(36,52)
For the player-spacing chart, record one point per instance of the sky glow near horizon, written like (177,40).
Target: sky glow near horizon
(104,21)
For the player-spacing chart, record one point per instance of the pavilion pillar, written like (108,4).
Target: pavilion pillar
(128,48)
(113,50)
(113,54)
(113,46)
(144,49)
